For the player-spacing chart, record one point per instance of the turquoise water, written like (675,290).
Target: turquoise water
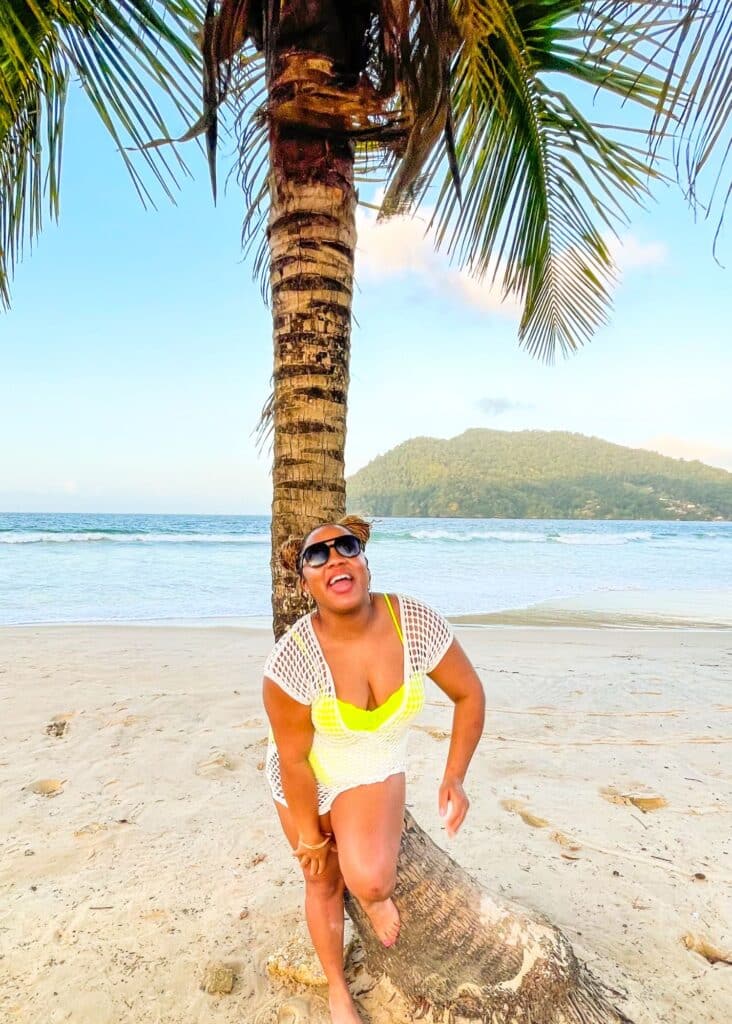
(102,568)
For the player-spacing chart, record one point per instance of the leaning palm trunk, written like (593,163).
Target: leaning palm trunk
(459,952)
(464,954)
(311,236)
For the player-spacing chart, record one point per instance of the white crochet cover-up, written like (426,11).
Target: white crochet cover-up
(341,756)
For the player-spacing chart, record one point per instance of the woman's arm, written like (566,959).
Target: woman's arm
(293,734)
(457,678)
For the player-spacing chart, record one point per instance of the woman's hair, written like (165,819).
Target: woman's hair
(290,550)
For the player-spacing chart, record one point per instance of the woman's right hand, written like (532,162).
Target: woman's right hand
(314,860)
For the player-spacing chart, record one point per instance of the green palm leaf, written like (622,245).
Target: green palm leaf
(695,54)
(121,53)
(542,184)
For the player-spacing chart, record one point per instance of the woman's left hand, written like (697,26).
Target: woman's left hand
(453,804)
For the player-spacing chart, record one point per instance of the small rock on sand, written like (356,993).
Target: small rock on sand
(46,787)
(218,979)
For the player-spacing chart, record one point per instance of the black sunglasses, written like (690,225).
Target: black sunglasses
(318,554)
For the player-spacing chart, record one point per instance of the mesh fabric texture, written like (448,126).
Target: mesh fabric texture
(342,756)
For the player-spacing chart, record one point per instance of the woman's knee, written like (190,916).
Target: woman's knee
(372,883)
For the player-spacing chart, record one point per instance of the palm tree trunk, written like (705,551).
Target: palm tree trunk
(459,951)
(464,954)
(312,235)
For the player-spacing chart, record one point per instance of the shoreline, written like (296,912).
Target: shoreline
(705,610)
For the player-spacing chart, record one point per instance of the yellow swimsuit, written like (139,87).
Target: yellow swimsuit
(354,746)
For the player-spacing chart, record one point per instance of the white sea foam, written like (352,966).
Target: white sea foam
(41,537)
(508,536)
(91,568)
(603,538)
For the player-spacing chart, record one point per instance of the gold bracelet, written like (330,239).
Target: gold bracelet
(318,846)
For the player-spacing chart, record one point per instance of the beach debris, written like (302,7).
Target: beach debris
(260,766)
(217,765)
(258,858)
(303,1010)
(218,978)
(645,801)
(244,914)
(91,829)
(251,723)
(29,853)
(698,944)
(257,744)
(433,731)
(46,787)
(565,840)
(296,965)
(154,915)
(527,816)
(699,876)
(58,725)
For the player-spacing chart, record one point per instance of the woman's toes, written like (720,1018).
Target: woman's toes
(384,918)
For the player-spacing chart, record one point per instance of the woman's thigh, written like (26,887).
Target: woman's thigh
(367,822)
(290,828)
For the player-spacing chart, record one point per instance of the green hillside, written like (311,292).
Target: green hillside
(534,474)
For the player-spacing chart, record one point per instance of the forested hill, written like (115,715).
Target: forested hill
(536,474)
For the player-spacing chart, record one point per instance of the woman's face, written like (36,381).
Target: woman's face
(341,584)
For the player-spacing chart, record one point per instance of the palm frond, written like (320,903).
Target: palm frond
(695,105)
(542,184)
(127,56)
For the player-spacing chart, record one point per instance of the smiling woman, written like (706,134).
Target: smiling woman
(341,688)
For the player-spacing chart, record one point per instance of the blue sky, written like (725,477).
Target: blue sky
(137,354)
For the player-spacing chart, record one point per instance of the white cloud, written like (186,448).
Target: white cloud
(680,448)
(395,246)
(403,245)
(630,253)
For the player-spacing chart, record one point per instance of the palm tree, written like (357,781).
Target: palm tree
(457,101)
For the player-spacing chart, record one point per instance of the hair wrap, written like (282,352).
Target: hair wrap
(357,526)
(290,550)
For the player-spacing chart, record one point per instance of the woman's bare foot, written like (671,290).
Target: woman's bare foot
(384,918)
(342,1008)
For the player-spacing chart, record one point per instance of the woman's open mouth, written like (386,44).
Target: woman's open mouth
(341,583)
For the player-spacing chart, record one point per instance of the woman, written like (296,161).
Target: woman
(341,688)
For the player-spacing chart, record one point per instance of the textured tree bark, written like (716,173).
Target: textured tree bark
(462,953)
(312,234)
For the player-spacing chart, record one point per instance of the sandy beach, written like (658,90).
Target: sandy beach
(157,852)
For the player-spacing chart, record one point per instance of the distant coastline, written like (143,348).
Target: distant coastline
(539,475)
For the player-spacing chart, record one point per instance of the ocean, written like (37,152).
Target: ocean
(212,569)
